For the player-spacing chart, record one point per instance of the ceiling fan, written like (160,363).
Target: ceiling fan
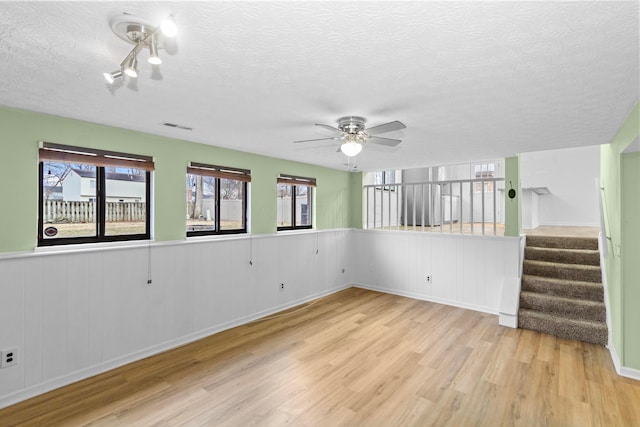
(352,134)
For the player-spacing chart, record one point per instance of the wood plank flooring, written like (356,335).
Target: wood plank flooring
(354,358)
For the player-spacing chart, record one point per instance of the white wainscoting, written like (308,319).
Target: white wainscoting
(466,271)
(75,313)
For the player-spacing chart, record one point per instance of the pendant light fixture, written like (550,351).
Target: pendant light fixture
(143,36)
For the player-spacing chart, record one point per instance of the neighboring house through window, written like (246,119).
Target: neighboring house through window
(294,202)
(216,199)
(89,195)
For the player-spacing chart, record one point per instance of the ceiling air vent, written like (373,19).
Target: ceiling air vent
(173,125)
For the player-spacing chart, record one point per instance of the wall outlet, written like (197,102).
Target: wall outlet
(281,287)
(429,279)
(9,357)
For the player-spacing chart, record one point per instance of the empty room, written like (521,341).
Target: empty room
(310,213)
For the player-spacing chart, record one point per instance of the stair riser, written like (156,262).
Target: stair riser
(565,257)
(564,329)
(562,242)
(592,293)
(563,272)
(572,310)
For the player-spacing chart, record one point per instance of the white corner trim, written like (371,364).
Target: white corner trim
(510,302)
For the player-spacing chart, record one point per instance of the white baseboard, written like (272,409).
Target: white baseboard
(634,374)
(623,371)
(100,368)
(489,310)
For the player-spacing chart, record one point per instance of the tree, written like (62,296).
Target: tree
(197,206)
(54,174)
(230,189)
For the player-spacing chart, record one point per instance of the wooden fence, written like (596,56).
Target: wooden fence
(60,211)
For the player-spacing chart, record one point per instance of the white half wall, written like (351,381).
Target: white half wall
(73,313)
(570,175)
(467,271)
(76,312)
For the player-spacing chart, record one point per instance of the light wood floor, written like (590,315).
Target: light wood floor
(355,358)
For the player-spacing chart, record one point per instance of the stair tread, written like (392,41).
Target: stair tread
(562,242)
(593,291)
(581,251)
(566,299)
(563,265)
(564,281)
(555,317)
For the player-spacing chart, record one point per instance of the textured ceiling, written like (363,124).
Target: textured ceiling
(471,80)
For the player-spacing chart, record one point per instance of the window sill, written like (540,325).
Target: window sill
(296,231)
(89,247)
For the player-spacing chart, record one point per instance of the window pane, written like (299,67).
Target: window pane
(201,203)
(231,204)
(68,200)
(284,205)
(378,178)
(126,194)
(303,205)
(389,177)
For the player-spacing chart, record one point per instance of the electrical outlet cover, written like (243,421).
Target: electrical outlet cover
(9,357)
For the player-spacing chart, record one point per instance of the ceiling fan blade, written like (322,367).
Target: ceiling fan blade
(386,127)
(329,127)
(319,139)
(384,141)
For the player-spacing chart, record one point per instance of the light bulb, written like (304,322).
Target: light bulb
(111,77)
(168,27)
(132,68)
(154,59)
(351,148)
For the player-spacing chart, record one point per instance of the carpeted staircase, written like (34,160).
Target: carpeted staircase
(562,291)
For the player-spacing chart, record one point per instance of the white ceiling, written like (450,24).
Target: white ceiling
(471,80)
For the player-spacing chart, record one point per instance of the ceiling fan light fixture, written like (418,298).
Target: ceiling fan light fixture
(351,148)
(112,76)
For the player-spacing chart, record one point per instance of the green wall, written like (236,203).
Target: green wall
(631,258)
(619,178)
(20,132)
(512,214)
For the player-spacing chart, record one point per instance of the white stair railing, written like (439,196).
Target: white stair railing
(471,206)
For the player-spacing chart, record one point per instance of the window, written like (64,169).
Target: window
(294,201)
(484,170)
(88,195)
(385,180)
(216,199)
